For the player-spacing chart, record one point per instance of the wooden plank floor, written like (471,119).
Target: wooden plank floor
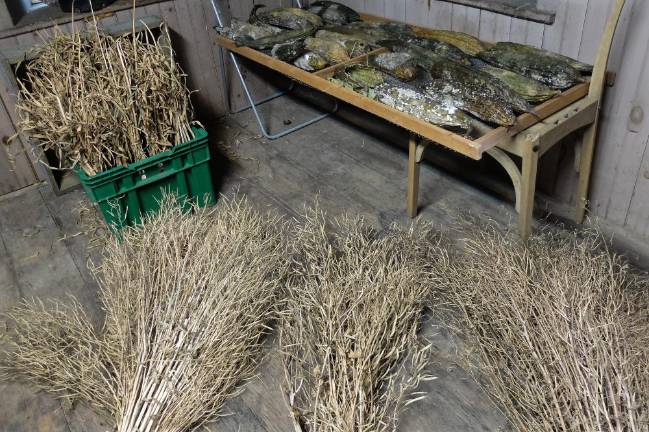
(347,169)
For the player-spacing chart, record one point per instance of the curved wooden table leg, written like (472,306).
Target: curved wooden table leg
(585,167)
(528,187)
(514,173)
(412,200)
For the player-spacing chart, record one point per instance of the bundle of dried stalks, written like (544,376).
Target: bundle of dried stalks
(99,101)
(55,346)
(349,329)
(187,298)
(560,331)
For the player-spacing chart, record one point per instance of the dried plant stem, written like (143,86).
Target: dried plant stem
(98,101)
(349,326)
(187,301)
(560,330)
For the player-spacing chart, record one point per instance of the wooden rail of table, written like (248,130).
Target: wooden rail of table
(331,70)
(451,140)
(525,121)
(473,148)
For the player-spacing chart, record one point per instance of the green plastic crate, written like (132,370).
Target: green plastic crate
(125,193)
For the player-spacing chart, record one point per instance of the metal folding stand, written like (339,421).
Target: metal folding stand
(255,104)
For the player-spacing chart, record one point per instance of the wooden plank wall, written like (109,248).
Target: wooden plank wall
(16,168)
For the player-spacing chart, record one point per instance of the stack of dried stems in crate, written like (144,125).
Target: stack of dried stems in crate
(99,101)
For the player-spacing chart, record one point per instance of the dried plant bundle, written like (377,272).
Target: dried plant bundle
(349,327)
(559,329)
(55,346)
(99,101)
(187,300)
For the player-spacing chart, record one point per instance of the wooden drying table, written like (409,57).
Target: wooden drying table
(528,139)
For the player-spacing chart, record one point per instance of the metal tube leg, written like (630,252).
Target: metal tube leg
(226,86)
(528,188)
(253,106)
(412,200)
(252,103)
(265,100)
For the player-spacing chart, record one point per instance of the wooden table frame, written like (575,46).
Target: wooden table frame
(528,139)
(531,143)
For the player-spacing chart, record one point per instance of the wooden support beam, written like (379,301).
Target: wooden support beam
(412,199)
(528,188)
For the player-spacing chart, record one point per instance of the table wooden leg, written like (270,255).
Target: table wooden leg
(512,169)
(412,201)
(585,167)
(528,189)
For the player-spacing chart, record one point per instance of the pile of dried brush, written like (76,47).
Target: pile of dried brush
(559,331)
(349,327)
(99,101)
(188,300)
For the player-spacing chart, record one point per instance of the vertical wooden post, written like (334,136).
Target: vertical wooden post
(412,201)
(528,187)
(598,80)
(585,168)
